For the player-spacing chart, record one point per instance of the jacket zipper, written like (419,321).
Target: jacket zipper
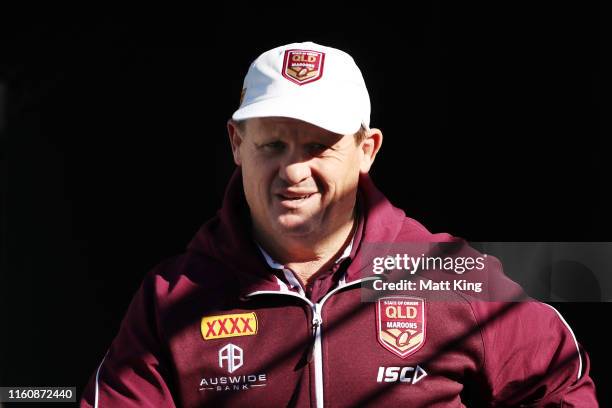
(317,322)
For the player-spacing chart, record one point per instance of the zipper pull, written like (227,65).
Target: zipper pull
(316,324)
(316,320)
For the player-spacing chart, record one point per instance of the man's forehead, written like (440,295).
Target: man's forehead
(287,126)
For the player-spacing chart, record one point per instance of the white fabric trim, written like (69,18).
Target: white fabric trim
(347,251)
(573,336)
(269,260)
(293,281)
(342,281)
(282,285)
(97,380)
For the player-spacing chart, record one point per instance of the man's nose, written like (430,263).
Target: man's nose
(294,170)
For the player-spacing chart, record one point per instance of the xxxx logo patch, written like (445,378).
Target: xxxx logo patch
(229,325)
(303,66)
(400,322)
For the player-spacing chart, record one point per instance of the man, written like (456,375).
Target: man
(265,307)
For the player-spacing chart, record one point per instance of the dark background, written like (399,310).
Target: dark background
(114,149)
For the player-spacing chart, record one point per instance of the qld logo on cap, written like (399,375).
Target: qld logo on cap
(303,66)
(401,324)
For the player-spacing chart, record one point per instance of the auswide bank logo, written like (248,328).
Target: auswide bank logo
(231,358)
(400,322)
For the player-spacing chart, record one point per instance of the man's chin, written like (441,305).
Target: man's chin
(294,227)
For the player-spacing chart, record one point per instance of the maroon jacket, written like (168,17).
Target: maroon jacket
(217,326)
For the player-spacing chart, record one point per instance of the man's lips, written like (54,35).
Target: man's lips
(293,200)
(295,194)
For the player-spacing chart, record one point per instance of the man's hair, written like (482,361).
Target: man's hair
(359,136)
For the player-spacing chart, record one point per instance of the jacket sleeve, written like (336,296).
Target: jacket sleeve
(135,372)
(532,358)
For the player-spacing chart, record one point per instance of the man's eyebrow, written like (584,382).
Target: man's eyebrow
(331,138)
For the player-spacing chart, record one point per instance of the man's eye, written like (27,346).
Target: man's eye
(273,146)
(318,147)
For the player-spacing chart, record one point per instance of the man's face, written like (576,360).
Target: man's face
(299,179)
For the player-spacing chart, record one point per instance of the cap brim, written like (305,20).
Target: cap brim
(325,114)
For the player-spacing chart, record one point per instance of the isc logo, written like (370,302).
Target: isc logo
(408,375)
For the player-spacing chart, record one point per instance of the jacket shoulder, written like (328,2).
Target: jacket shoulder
(178,276)
(412,229)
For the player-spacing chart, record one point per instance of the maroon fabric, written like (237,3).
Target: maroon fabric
(475,353)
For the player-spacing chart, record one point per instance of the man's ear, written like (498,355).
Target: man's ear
(370,147)
(235,139)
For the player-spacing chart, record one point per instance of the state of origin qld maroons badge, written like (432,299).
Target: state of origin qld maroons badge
(303,66)
(400,324)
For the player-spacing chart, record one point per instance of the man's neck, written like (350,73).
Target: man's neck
(308,257)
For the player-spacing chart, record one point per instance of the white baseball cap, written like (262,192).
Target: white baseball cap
(310,82)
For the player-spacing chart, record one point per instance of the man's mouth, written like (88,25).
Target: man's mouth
(294,201)
(294,197)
